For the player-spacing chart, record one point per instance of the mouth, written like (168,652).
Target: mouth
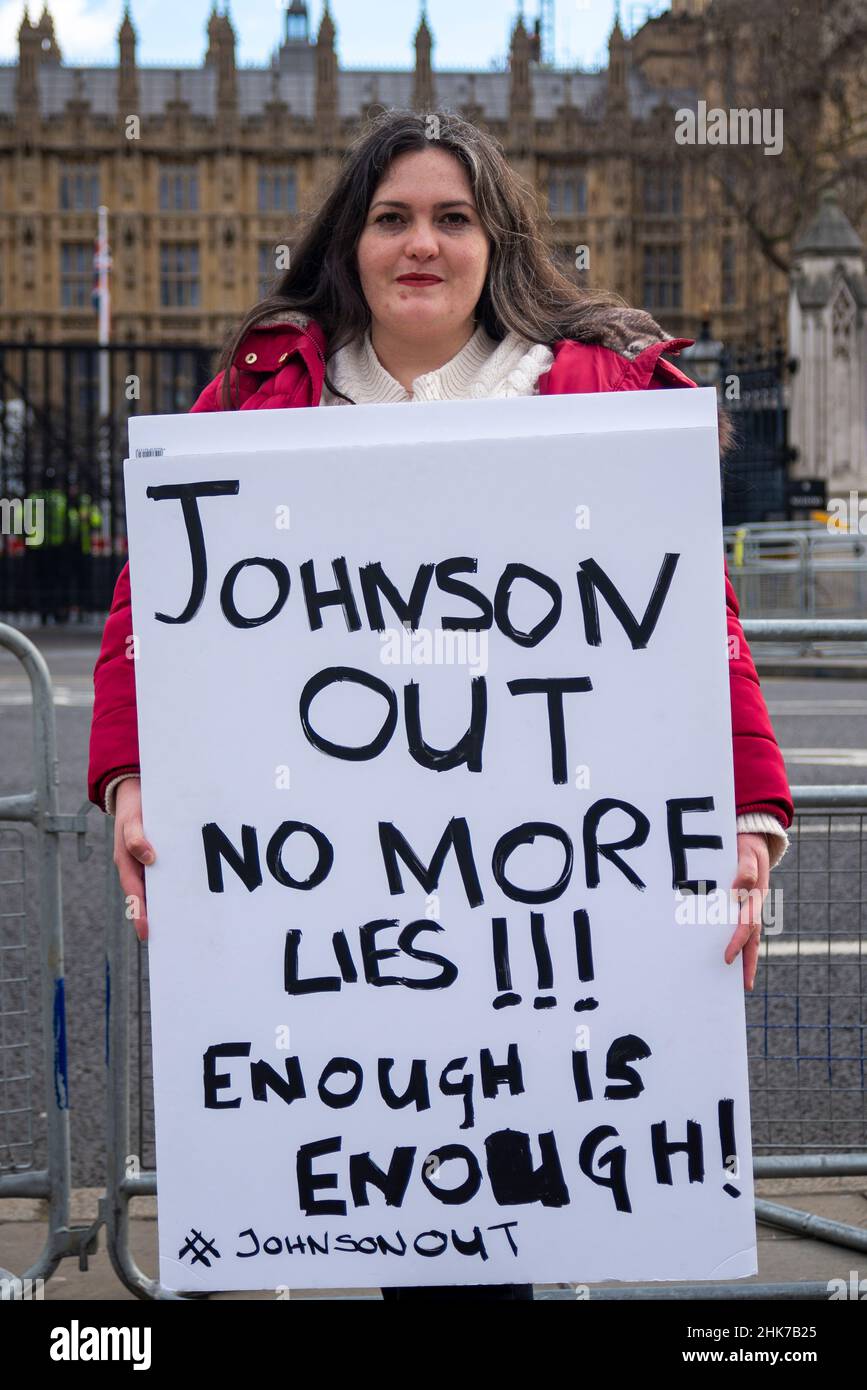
(419,279)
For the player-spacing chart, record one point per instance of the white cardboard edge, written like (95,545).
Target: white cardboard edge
(234,431)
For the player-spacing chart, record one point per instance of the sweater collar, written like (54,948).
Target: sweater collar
(358,368)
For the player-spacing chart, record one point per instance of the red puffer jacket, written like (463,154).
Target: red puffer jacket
(283,365)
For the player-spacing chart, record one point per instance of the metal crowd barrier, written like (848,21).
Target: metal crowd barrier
(35,1157)
(799,571)
(805,1022)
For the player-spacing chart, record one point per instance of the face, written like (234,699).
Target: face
(422,221)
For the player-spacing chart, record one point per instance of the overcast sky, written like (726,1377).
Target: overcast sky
(370,33)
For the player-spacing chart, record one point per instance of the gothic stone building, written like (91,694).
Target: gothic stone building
(204,171)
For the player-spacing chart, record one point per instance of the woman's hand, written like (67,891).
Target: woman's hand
(131,851)
(753,875)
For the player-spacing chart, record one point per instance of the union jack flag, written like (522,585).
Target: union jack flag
(101,258)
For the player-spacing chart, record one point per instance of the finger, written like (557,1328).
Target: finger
(135,901)
(739,939)
(751,959)
(747,875)
(749,921)
(132,884)
(136,843)
(763,880)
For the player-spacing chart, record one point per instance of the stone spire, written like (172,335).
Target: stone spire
(29,57)
(423,89)
(618,57)
(327,32)
(221,55)
(520,91)
(127,77)
(829,233)
(48,45)
(326,79)
(214,32)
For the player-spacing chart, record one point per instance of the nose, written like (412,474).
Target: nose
(421,241)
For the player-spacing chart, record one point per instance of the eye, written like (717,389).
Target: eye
(461,217)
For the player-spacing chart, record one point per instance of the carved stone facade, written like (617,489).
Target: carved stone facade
(828,337)
(204,171)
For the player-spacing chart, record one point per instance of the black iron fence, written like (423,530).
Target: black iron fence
(756,471)
(63,437)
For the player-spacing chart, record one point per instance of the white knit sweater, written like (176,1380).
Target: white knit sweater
(482,368)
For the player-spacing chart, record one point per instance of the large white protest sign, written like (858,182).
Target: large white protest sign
(432,737)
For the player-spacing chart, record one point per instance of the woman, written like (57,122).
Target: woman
(424,276)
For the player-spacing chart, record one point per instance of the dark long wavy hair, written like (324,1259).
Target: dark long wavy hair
(524,292)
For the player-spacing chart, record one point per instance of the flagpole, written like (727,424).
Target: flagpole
(103,266)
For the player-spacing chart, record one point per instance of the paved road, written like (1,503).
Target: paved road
(812,1000)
